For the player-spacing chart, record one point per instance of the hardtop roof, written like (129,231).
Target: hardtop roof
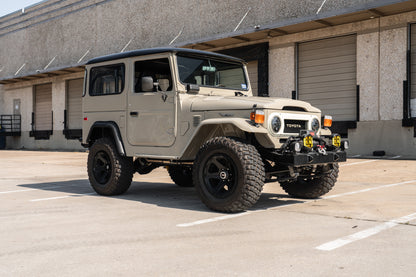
(181,51)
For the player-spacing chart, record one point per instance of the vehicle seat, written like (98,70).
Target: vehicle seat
(164,84)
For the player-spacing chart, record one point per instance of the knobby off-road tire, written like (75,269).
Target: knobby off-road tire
(109,172)
(228,175)
(313,188)
(181,175)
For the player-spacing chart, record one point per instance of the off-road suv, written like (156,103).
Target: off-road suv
(193,112)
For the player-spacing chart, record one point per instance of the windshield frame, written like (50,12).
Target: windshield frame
(215,59)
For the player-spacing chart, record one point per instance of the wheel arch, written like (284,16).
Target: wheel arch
(110,129)
(223,127)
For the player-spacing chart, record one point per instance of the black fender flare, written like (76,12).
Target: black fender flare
(113,129)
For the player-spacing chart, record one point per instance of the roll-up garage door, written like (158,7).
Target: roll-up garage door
(43,107)
(74,103)
(327,76)
(253,75)
(413,69)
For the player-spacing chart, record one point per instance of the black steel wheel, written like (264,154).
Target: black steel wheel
(109,172)
(228,174)
(220,175)
(181,175)
(102,167)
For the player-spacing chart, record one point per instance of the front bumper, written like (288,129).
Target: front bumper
(311,158)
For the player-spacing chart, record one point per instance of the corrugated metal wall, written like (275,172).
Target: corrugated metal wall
(43,107)
(327,76)
(74,103)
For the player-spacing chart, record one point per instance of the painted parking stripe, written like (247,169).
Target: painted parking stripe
(23,190)
(369,161)
(369,189)
(365,233)
(220,218)
(61,197)
(362,162)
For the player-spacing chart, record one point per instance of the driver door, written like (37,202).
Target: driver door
(151,104)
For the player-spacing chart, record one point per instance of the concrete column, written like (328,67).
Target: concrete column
(281,71)
(58,104)
(368,75)
(393,46)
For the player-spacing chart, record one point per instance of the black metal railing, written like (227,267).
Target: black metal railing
(10,125)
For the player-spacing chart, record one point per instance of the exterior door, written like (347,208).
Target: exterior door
(74,103)
(151,104)
(413,70)
(43,107)
(327,76)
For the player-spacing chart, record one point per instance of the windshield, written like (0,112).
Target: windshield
(212,73)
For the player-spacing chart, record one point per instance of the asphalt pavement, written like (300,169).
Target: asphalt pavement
(53,224)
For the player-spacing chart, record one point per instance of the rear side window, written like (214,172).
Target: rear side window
(108,79)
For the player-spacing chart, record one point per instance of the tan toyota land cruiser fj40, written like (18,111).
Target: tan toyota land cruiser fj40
(193,112)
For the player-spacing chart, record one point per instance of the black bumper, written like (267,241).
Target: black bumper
(311,158)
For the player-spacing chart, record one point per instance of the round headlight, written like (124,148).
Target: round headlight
(276,124)
(315,124)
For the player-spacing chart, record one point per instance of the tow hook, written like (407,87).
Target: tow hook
(321,149)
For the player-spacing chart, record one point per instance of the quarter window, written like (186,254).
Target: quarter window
(107,79)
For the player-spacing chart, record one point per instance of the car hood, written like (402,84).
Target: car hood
(217,103)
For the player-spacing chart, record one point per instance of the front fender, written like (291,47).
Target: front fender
(229,127)
(241,123)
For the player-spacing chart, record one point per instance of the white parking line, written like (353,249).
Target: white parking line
(22,190)
(365,233)
(208,220)
(368,161)
(60,197)
(369,189)
(225,217)
(363,162)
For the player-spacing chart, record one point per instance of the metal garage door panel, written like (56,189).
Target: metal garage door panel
(43,107)
(74,103)
(413,67)
(252,69)
(327,76)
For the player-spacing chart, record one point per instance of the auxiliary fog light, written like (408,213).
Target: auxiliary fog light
(336,141)
(308,141)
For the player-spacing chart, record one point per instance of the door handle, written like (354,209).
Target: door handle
(134,113)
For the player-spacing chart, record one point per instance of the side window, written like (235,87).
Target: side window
(152,75)
(108,79)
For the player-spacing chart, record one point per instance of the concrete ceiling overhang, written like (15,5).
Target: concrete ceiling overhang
(259,34)
(53,72)
(263,33)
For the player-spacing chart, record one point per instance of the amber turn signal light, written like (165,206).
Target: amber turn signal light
(257,116)
(327,121)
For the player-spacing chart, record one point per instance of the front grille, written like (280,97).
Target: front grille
(294,126)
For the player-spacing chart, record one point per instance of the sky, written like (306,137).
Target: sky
(9,6)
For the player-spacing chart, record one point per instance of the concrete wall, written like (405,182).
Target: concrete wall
(381,70)
(282,70)
(60,33)
(24,92)
(368,64)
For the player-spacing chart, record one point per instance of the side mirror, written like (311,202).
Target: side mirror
(192,88)
(147,84)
